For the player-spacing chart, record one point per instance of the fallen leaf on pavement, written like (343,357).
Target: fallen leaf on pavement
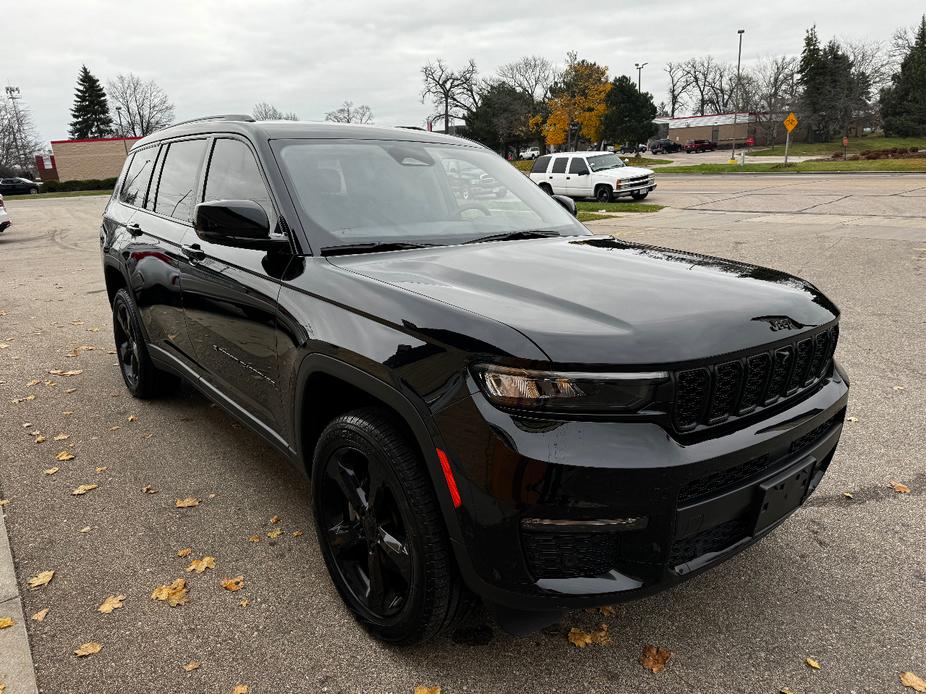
(200,565)
(102,469)
(61,437)
(852,419)
(580,638)
(244,602)
(917,684)
(22,399)
(4,345)
(88,649)
(297,533)
(52,470)
(192,665)
(83,489)
(67,413)
(42,578)
(274,519)
(40,615)
(427,690)
(253,538)
(654,659)
(71,372)
(4,502)
(185,552)
(33,382)
(69,390)
(133,418)
(40,439)
(813,663)
(233,584)
(785,690)
(6,622)
(189,502)
(113,602)
(148,489)
(174,594)
(114,428)
(899,487)
(64,456)
(275,533)
(848,495)
(85,529)
(243,689)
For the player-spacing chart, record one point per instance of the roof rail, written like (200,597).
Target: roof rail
(225,116)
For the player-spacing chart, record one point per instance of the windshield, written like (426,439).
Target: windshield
(355,192)
(605,161)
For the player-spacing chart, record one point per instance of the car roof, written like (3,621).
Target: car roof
(586,153)
(280,130)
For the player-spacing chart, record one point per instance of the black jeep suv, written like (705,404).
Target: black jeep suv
(490,401)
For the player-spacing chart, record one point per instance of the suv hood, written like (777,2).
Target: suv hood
(599,300)
(628,171)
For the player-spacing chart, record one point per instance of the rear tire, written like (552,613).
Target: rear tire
(381,531)
(141,377)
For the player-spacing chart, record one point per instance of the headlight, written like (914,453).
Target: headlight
(552,391)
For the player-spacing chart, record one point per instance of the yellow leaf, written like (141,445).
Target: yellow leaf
(174,594)
(233,584)
(71,372)
(88,649)
(148,489)
(113,602)
(914,682)
(4,502)
(240,689)
(189,502)
(275,533)
(40,615)
(200,565)
(813,663)
(852,419)
(40,439)
(900,487)
(427,690)
(83,489)
(133,418)
(580,638)
(42,578)
(67,413)
(654,659)
(4,345)
(114,428)
(61,437)
(785,690)
(52,470)
(297,533)
(607,611)
(244,602)
(102,469)
(253,538)
(6,622)
(185,552)
(274,519)
(64,456)
(898,388)
(192,665)
(848,495)
(85,529)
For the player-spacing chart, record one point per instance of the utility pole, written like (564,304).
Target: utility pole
(121,131)
(639,67)
(14,95)
(736,96)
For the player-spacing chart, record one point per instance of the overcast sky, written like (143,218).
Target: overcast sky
(224,56)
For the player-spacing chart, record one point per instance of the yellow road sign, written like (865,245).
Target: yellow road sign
(790,122)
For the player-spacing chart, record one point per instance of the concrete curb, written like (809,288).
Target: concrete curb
(17,671)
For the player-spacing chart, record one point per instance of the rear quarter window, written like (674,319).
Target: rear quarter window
(559,165)
(137,177)
(179,176)
(540,164)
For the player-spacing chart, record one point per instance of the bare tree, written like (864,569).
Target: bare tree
(348,113)
(699,72)
(679,85)
(721,87)
(531,74)
(871,58)
(265,111)
(144,105)
(453,92)
(901,43)
(770,90)
(18,139)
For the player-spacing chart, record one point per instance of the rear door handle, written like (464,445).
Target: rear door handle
(134,229)
(193,252)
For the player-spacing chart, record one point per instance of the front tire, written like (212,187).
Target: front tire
(381,532)
(603,194)
(141,377)
(33,191)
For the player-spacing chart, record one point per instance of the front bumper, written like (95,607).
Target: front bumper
(643,187)
(680,505)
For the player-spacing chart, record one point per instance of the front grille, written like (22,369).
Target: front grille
(710,395)
(569,554)
(637,181)
(717,482)
(714,539)
(812,436)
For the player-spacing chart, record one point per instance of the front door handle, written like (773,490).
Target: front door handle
(134,229)
(193,252)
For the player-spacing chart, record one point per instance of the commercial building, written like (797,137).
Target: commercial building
(80,160)
(722,128)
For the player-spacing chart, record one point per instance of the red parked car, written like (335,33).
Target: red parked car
(700,146)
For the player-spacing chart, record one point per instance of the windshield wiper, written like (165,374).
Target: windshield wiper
(374,247)
(514,236)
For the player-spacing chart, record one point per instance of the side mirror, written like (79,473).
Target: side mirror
(568,203)
(239,223)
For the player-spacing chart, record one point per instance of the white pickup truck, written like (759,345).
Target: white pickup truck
(529,153)
(601,175)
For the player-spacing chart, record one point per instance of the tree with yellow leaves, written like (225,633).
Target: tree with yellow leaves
(577,102)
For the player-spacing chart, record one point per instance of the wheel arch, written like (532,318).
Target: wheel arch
(115,280)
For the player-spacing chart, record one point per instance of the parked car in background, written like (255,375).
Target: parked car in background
(697,146)
(468,182)
(529,153)
(18,186)
(633,149)
(4,216)
(664,146)
(601,175)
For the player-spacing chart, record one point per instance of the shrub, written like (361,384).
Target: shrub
(88,184)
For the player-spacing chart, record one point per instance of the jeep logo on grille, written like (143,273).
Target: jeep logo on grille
(776,323)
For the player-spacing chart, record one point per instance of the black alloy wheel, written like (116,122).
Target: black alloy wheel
(603,194)
(141,376)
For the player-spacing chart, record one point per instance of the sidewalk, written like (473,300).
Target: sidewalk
(16,669)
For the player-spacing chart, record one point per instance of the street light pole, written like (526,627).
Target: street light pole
(121,131)
(639,67)
(736,94)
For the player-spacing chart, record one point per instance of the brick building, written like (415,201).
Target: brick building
(79,160)
(717,127)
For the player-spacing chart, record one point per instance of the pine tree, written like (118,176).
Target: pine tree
(903,104)
(90,113)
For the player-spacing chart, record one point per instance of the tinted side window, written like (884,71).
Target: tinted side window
(540,164)
(175,196)
(233,175)
(577,165)
(135,184)
(559,165)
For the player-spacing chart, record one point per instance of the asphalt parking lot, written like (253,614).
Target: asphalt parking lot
(843,581)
